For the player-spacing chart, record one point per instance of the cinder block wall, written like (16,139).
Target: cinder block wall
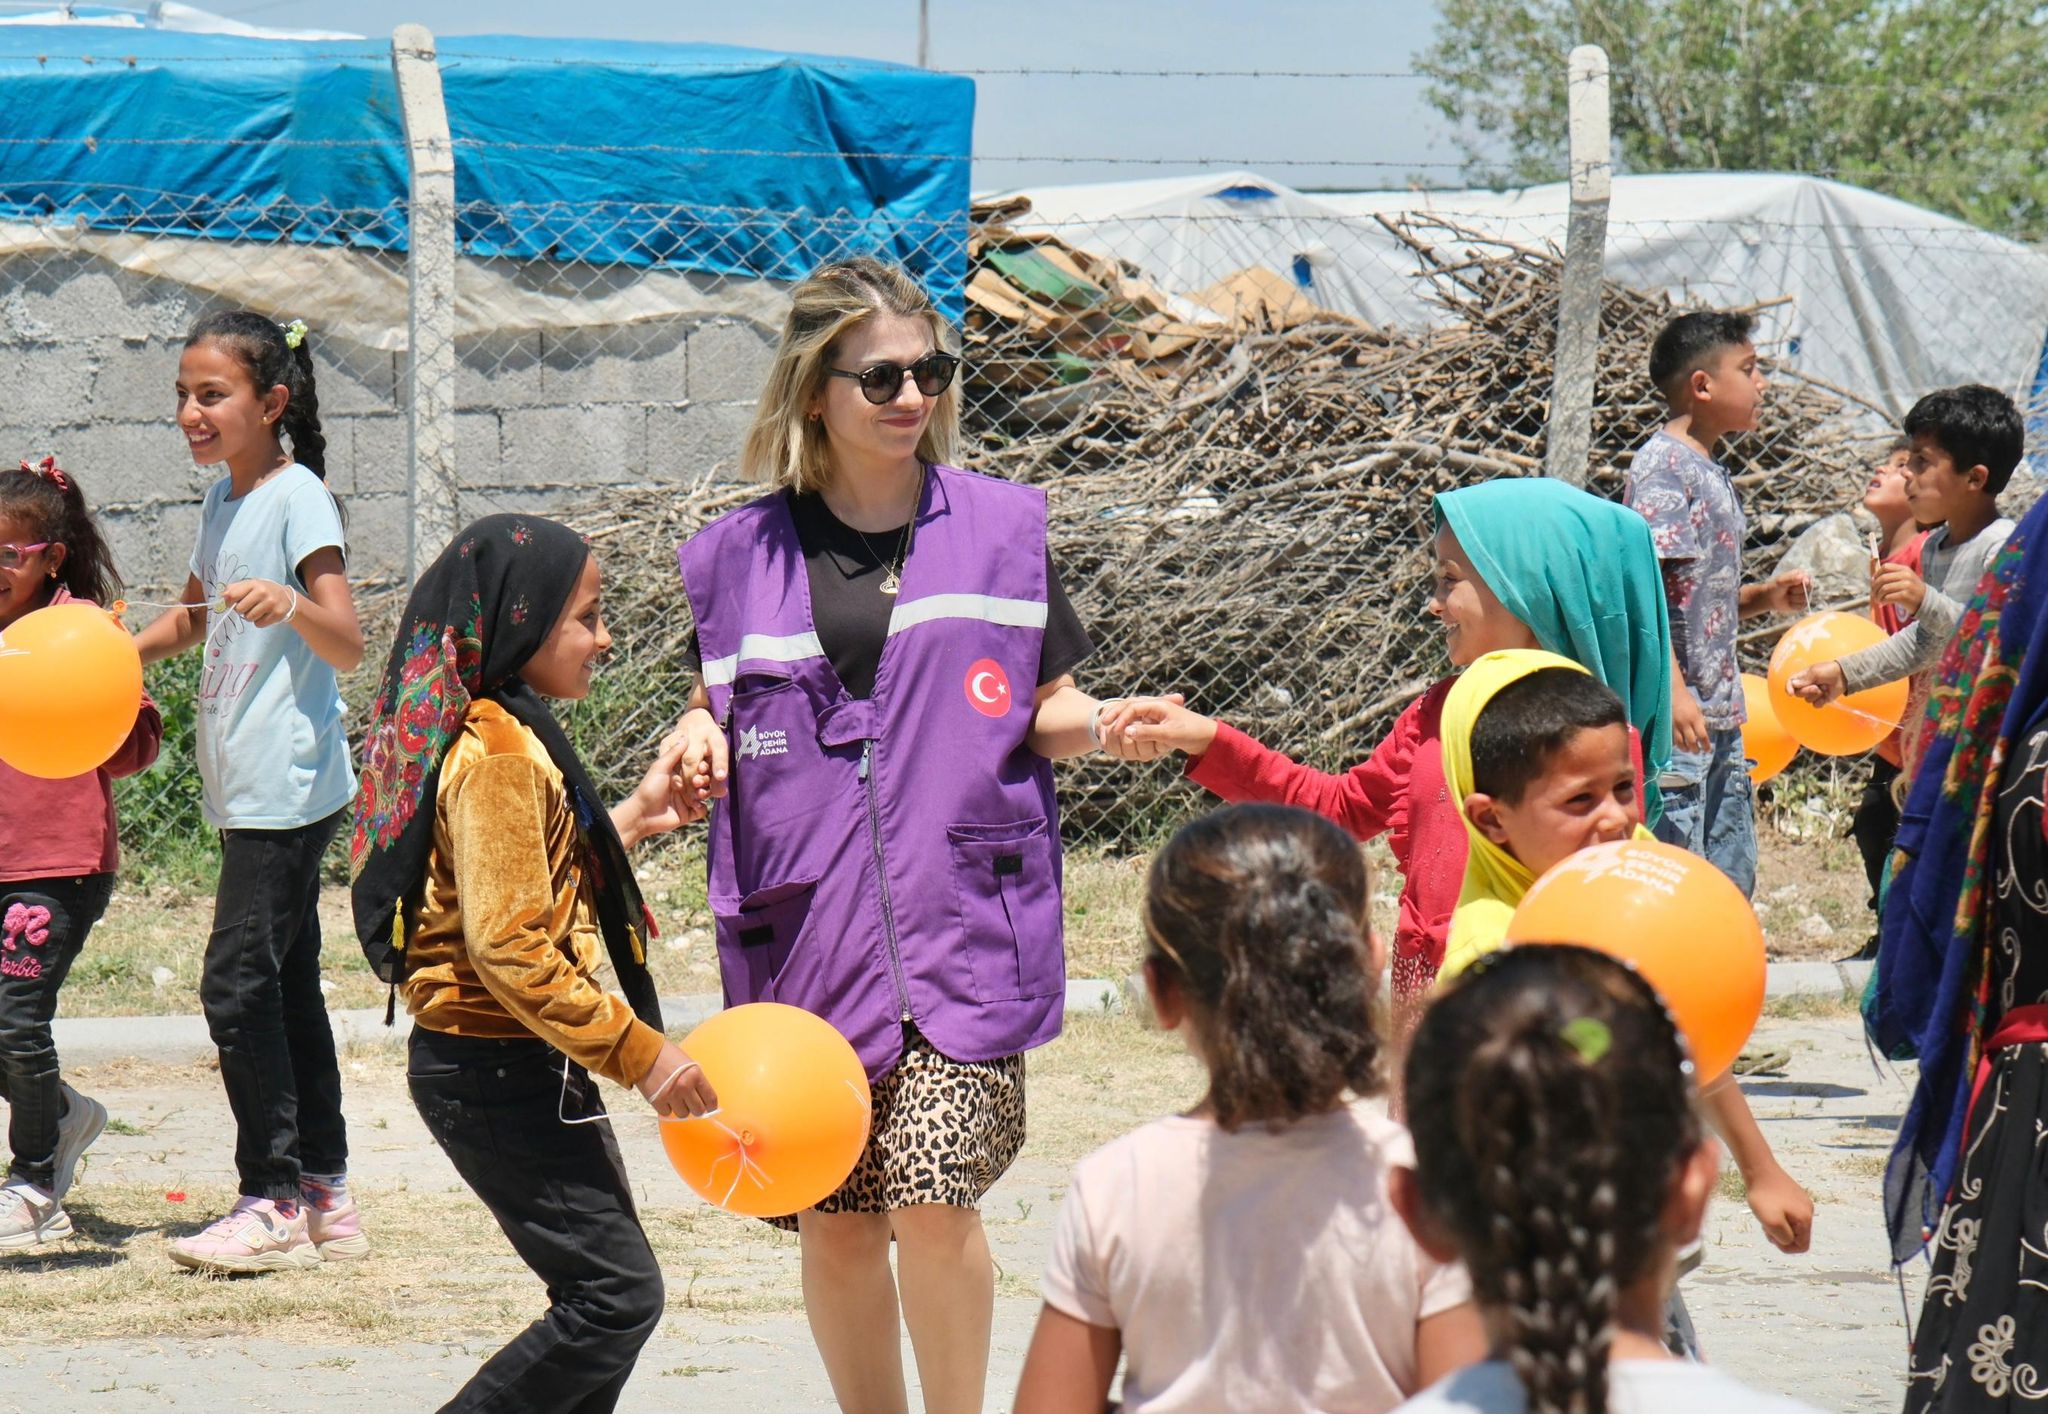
(545,421)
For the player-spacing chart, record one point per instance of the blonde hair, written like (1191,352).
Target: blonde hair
(786,447)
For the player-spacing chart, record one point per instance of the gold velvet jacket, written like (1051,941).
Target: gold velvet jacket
(506,942)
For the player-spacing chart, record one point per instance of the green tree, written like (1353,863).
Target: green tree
(1940,102)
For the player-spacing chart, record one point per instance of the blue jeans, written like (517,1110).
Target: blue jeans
(1709,808)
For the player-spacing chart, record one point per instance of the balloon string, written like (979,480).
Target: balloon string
(747,1167)
(215,606)
(1838,706)
(562,1104)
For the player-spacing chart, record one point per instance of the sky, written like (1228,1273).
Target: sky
(1343,134)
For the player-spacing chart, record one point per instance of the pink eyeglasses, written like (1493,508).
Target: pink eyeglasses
(12,555)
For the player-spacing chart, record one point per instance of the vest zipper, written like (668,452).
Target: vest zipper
(867,779)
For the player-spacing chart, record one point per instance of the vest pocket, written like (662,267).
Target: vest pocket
(755,940)
(1009,907)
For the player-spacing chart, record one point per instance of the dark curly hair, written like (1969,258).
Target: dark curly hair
(258,343)
(1259,914)
(1551,1103)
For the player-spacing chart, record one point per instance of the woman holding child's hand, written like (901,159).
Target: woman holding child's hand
(883,640)
(1519,563)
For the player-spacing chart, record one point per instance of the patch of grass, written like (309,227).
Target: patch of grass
(144,958)
(116,1280)
(1813,1006)
(1101,1078)
(1104,893)
(1811,874)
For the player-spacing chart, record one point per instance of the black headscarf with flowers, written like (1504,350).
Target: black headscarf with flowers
(482,609)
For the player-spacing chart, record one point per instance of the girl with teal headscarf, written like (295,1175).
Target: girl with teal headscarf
(1582,573)
(1521,563)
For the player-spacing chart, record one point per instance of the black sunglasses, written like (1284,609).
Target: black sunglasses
(881,382)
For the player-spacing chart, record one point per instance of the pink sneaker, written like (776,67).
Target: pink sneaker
(253,1237)
(338,1233)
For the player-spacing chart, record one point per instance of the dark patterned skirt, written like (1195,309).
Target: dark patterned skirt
(1982,1343)
(944,1131)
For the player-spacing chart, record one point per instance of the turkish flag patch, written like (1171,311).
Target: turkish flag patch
(988,688)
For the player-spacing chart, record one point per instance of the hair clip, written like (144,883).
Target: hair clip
(1588,1036)
(47,469)
(295,333)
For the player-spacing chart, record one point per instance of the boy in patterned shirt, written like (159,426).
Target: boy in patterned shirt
(1705,367)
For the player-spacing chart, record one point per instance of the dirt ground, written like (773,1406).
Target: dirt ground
(143,959)
(107,1323)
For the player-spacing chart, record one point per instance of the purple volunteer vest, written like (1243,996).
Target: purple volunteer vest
(896,858)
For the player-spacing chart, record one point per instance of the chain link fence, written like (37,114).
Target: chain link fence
(1239,397)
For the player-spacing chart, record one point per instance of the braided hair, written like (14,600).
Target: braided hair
(1551,1104)
(259,343)
(1258,914)
(47,500)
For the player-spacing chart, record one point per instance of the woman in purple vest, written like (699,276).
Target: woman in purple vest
(884,643)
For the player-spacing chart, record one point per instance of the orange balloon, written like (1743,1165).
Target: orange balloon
(70,686)
(1847,725)
(1678,919)
(792,1116)
(1764,739)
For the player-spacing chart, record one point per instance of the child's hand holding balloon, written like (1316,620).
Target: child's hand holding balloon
(263,602)
(1820,684)
(675,1085)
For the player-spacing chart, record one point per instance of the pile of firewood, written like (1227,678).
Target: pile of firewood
(1241,503)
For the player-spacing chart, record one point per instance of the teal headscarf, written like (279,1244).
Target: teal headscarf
(1582,573)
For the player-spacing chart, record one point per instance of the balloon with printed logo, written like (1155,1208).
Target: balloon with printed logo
(70,688)
(792,1116)
(1769,747)
(1850,724)
(1677,919)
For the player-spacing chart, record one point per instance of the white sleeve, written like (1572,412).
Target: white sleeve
(1076,1283)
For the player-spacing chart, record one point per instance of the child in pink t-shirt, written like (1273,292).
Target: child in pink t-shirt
(1245,1255)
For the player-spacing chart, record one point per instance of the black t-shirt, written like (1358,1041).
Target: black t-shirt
(851,614)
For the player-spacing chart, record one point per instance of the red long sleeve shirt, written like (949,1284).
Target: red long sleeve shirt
(61,829)
(1398,791)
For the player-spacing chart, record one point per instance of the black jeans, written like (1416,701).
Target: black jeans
(1875,825)
(260,989)
(559,1193)
(43,923)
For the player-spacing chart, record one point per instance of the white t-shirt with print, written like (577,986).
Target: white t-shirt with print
(1633,1387)
(273,752)
(1251,1270)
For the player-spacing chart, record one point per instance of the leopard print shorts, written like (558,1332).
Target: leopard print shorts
(944,1131)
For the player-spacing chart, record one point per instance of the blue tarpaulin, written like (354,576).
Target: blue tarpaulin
(700,157)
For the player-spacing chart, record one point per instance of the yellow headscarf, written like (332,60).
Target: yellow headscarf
(1494,879)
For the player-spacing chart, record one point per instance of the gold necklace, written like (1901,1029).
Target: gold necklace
(892,577)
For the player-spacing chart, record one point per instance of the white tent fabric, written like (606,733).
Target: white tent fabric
(165,15)
(1886,299)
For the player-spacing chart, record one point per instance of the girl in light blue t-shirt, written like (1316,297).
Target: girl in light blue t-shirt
(268,604)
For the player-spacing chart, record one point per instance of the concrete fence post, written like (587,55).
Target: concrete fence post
(430,278)
(1568,436)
